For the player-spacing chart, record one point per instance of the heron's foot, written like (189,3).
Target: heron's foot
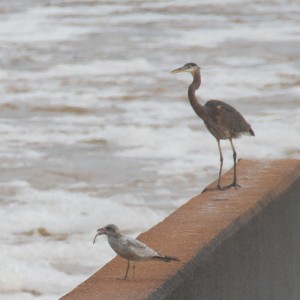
(229,186)
(222,188)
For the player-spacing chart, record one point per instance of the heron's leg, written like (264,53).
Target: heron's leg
(128,264)
(234,162)
(234,166)
(221,164)
(220,171)
(234,183)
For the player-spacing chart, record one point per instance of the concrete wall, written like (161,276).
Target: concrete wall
(234,244)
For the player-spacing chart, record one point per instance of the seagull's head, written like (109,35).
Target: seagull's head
(109,230)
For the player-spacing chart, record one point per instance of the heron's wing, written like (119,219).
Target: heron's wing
(226,116)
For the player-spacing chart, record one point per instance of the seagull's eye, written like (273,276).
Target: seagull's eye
(108,228)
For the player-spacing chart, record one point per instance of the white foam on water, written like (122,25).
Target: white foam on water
(69,221)
(20,275)
(211,38)
(96,130)
(59,211)
(28,295)
(101,68)
(94,68)
(34,26)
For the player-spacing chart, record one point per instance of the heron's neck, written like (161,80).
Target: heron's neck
(198,108)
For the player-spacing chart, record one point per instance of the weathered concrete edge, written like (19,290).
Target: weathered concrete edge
(171,280)
(186,273)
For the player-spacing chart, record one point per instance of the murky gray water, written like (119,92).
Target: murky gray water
(95,130)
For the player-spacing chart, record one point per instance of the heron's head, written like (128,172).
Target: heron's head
(189,67)
(109,230)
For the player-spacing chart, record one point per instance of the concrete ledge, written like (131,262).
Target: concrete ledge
(234,244)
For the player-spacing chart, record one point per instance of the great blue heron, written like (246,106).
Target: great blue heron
(221,119)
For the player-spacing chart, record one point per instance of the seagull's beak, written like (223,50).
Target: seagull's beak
(99,232)
(181,69)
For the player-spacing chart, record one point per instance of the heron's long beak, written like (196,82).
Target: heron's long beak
(181,69)
(99,232)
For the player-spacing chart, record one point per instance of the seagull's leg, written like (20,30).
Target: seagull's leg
(128,264)
(234,183)
(133,268)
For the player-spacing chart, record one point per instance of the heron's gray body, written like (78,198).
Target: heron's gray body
(220,114)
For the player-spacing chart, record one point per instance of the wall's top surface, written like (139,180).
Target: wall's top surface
(209,218)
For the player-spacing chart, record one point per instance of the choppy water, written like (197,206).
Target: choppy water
(95,130)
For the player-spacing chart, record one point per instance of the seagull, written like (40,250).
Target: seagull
(130,248)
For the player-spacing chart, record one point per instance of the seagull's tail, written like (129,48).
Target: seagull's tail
(166,258)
